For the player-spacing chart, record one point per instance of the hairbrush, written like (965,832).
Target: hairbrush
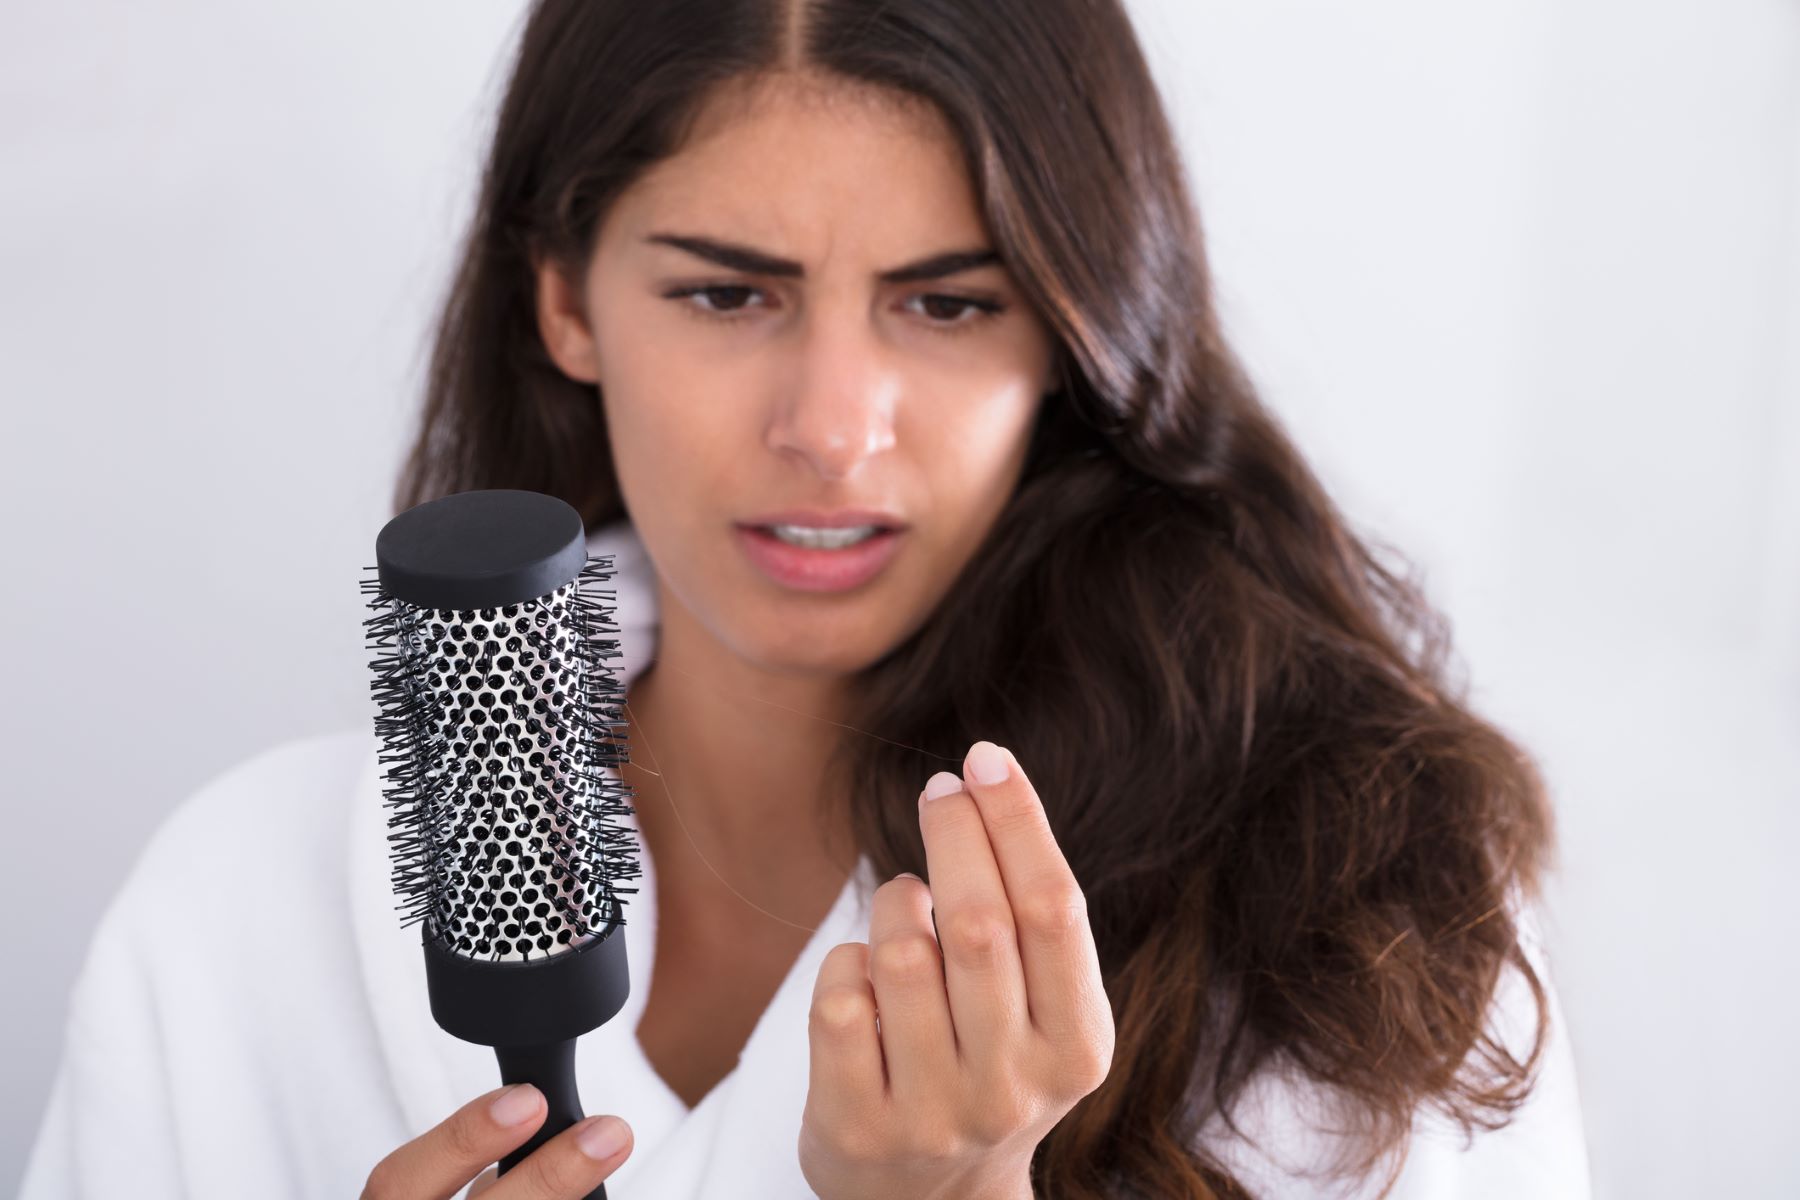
(498,716)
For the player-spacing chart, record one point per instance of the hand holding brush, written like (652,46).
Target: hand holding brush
(434,1165)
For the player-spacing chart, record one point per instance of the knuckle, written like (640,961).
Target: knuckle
(843,1130)
(845,958)
(841,1009)
(461,1141)
(1056,909)
(1002,1113)
(904,955)
(929,1142)
(859,1142)
(977,933)
(1083,1064)
(1083,1075)
(1100,1064)
(992,1125)
(558,1169)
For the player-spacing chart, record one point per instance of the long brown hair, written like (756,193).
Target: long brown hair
(1295,839)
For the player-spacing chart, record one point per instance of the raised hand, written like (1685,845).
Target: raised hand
(941,1059)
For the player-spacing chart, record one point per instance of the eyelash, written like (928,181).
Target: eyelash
(984,309)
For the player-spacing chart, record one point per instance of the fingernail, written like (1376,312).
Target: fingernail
(517,1103)
(986,762)
(942,784)
(908,875)
(601,1138)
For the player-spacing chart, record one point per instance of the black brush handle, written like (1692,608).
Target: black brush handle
(550,1068)
(557,998)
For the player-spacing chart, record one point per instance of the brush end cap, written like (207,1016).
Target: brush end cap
(480,549)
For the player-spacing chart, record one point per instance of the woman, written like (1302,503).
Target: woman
(1248,910)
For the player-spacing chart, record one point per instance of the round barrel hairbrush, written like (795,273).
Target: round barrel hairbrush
(498,716)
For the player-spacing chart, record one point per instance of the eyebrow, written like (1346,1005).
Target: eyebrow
(757,262)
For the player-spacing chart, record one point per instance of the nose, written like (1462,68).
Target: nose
(840,409)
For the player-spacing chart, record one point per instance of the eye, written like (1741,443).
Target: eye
(723,301)
(732,294)
(962,306)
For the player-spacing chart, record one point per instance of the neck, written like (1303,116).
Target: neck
(726,768)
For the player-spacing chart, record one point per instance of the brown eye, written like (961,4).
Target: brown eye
(733,297)
(935,306)
(951,312)
(723,301)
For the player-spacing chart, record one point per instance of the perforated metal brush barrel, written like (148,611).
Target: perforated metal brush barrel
(500,715)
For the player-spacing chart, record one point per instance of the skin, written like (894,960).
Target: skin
(992,1026)
(454,1152)
(830,389)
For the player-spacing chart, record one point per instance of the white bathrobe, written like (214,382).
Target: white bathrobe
(251,1019)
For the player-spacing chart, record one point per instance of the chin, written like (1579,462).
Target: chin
(823,645)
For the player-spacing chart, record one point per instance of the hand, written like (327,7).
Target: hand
(941,1059)
(479,1134)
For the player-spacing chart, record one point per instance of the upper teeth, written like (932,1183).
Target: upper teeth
(823,539)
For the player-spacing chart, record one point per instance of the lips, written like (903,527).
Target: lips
(818,518)
(802,568)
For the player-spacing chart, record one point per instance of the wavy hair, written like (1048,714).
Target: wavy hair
(1297,843)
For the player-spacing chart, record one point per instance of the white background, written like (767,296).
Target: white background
(1522,279)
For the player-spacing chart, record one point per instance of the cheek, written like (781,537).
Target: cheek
(659,408)
(669,449)
(974,443)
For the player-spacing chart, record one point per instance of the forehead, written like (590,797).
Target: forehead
(797,164)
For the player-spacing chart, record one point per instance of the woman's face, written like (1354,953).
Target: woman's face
(734,390)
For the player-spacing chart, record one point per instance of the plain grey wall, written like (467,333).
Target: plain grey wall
(1523,280)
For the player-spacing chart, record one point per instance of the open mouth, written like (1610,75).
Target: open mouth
(825,561)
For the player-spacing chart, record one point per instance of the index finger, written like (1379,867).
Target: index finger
(434,1165)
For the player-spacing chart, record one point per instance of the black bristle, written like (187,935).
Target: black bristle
(432,849)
